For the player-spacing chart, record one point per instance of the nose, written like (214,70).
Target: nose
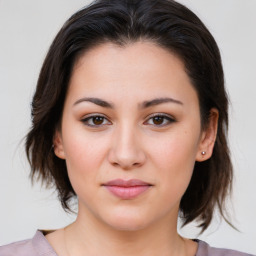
(126,150)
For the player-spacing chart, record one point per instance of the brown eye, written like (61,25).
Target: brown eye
(160,120)
(95,121)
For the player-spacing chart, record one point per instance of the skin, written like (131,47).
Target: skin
(128,143)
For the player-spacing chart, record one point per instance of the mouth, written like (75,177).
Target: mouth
(127,189)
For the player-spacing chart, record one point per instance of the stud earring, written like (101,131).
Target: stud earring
(203,153)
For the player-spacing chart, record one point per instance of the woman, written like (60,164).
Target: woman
(130,116)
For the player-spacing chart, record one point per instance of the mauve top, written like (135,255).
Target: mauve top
(39,246)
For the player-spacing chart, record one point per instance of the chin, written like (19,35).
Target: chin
(127,221)
(130,225)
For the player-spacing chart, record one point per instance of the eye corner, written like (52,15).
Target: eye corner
(165,120)
(89,120)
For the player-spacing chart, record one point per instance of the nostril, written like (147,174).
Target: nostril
(125,156)
(126,166)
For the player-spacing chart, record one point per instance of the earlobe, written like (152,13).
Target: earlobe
(58,145)
(208,137)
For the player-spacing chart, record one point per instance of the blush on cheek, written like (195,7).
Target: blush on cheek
(168,149)
(176,162)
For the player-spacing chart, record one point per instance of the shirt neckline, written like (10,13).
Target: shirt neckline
(43,246)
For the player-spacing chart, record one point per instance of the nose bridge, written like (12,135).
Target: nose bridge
(126,149)
(126,138)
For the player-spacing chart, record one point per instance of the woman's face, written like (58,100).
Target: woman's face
(130,134)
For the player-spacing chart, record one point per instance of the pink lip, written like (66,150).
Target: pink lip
(127,189)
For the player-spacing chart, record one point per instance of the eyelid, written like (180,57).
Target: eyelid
(168,117)
(91,116)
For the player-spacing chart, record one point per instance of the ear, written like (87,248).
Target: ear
(208,137)
(58,145)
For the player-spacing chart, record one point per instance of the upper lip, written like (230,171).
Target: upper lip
(127,183)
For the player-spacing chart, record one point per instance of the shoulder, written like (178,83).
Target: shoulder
(205,250)
(37,246)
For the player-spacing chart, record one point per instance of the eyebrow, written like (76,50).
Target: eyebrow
(143,105)
(157,101)
(96,101)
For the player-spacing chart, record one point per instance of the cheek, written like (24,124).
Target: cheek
(84,155)
(83,160)
(175,158)
(176,148)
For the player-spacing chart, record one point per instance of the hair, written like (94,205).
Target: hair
(169,25)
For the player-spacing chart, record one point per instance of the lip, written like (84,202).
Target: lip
(127,189)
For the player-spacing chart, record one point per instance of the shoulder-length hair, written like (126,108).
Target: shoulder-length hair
(168,24)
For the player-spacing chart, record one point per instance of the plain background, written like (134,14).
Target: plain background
(27,28)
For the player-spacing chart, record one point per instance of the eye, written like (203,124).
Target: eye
(160,120)
(95,121)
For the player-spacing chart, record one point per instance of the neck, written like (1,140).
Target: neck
(89,236)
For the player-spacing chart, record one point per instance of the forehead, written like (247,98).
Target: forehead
(136,68)
(132,55)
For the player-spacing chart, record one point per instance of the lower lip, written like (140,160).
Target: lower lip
(128,192)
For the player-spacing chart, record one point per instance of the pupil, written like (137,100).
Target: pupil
(158,120)
(98,120)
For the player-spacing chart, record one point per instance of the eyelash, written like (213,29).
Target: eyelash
(169,119)
(86,119)
(165,117)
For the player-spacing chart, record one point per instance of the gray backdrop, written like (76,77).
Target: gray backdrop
(27,28)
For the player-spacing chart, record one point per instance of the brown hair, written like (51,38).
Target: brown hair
(169,25)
